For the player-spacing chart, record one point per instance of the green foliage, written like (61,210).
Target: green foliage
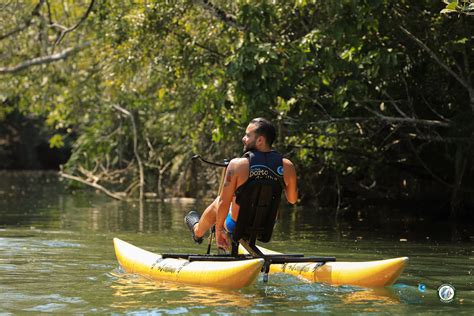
(459,6)
(350,87)
(56,141)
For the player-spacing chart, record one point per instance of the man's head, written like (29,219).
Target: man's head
(259,135)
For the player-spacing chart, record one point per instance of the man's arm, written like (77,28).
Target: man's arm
(289,175)
(225,198)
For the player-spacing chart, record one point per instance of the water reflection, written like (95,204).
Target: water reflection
(295,289)
(133,290)
(56,255)
(379,296)
(40,200)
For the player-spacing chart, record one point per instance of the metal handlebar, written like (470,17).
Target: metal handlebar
(216,164)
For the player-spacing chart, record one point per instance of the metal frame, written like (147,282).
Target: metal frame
(249,245)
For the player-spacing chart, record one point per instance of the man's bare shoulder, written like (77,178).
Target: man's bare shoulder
(239,160)
(240,167)
(287,162)
(239,163)
(289,171)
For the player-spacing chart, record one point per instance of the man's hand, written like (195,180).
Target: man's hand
(222,240)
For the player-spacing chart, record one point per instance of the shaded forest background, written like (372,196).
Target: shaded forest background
(373,100)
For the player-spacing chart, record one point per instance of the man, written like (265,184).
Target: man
(258,159)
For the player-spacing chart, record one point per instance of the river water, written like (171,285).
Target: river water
(56,256)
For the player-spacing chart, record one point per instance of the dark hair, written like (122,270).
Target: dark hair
(265,129)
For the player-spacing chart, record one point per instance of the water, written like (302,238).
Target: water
(56,256)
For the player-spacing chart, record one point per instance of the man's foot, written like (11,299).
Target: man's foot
(191,219)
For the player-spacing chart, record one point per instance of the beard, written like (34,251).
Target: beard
(250,146)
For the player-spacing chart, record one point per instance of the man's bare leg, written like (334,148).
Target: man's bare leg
(208,219)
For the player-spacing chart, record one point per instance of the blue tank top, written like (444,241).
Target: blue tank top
(265,170)
(265,165)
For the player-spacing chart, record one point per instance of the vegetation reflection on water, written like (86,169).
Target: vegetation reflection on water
(56,255)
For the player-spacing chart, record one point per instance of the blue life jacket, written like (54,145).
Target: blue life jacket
(259,197)
(264,166)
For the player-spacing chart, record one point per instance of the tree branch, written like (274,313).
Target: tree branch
(435,57)
(443,139)
(408,120)
(135,148)
(44,59)
(463,82)
(94,185)
(228,19)
(65,30)
(379,117)
(187,36)
(27,22)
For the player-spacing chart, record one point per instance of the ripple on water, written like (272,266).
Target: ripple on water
(70,253)
(7,267)
(50,307)
(44,303)
(60,244)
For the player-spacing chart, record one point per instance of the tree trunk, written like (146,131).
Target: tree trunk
(460,163)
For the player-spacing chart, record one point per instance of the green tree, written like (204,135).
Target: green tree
(373,99)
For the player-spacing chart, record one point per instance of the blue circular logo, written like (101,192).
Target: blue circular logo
(446,293)
(421,287)
(280,170)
